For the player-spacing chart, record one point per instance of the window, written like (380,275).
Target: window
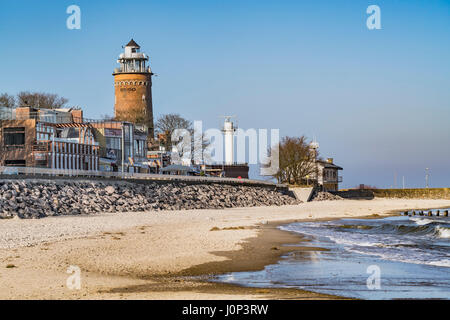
(112,143)
(15,163)
(136,147)
(14,136)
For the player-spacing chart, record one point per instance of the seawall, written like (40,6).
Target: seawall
(421,193)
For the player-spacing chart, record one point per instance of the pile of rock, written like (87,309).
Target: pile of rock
(36,199)
(324,196)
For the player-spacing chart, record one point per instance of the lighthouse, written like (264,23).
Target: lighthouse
(133,88)
(228,132)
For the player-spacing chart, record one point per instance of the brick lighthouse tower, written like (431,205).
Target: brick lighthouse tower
(133,88)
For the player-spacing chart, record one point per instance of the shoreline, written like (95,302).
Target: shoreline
(266,248)
(168,255)
(280,243)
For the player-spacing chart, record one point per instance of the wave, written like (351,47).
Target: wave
(422,222)
(354,226)
(443,232)
(353,242)
(441,263)
(420,257)
(344,232)
(414,240)
(428,227)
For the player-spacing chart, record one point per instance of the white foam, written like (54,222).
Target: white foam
(422,222)
(441,263)
(406,257)
(354,242)
(443,232)
(384,246)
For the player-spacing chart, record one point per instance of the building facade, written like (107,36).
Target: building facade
(45,138)
(123,146)
(62,139)
(329,178)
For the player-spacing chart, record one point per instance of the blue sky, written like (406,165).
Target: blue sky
(378,101)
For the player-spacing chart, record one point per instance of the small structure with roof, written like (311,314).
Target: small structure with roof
(329,177)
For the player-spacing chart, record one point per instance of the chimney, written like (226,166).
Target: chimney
(77,115)
(330,160)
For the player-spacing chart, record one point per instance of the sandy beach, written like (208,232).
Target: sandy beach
(165,254)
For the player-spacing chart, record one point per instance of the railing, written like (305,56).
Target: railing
(62,118)
(132,70)
(339,179)
(71,119)
(12,147)
(127,175)
(41,146)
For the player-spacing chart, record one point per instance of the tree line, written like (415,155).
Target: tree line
(34,99)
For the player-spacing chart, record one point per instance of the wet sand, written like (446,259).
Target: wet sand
(165,255)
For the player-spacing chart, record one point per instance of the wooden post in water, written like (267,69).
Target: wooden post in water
(446,213)
(405,213)
(421,213)
(437,213)
(430,213)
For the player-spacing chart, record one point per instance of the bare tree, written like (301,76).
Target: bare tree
(296,161)
(133,114)
(7,101)
(168,123)
(41,100)
(107,117)
(194,146)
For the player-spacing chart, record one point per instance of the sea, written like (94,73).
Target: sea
(398,257)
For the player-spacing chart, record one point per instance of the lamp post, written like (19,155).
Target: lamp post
(123,148)
(314,146)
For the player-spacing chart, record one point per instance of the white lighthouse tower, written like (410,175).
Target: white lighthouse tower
(228,132)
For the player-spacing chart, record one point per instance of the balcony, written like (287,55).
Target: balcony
(132,69)
(339,179)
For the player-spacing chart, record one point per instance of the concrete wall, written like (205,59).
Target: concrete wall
(431,193)
(302,194)
(355,194)
(27,173)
